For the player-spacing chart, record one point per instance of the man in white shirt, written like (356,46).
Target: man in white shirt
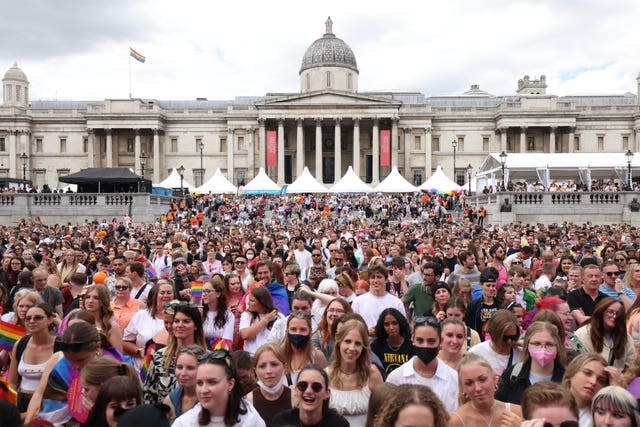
(303,257)
(371,304)
(135,272)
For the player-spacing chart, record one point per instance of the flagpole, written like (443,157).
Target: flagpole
(129,76)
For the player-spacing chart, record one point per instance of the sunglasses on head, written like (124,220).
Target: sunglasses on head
(216,355)
(426,320)
(302,386)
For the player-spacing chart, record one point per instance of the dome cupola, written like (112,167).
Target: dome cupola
(15,87)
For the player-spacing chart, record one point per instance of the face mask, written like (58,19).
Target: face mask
(249,256)
(270,390)
(543,355)
(298,341)
(426,354)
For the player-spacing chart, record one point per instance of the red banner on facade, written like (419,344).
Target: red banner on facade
(272,137)
(385,147)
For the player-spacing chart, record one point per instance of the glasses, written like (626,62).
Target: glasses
(216,355)
(619,259)
(611,273)
(506,338)
(336,310)
(121,288)
(563,424)
(546,346)
(611,313)
(516,262)
(302,386)
(316,255)
(426,320)
(35,318)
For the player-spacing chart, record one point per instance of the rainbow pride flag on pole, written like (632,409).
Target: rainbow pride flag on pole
(137,56)
(9,335)
(196,289)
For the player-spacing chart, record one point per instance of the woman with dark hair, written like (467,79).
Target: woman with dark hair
(441,296)
(257,321)
(186,330)
(218,321)
(452,338)
(312,391)
(564,265)
(456,309)
(97,303)
(183,397)
(233,296)
(322,338)
(392,343)
(411,402)
(606,334)
(118,392)
(220,401)
(502,350)
(296,345)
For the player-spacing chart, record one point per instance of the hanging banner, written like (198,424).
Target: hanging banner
(385,147)
(272,137)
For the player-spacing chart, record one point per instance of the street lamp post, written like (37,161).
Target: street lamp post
(469,171)
(201,147)
(143,162)
(181,173)
(454,144)
(503,161)
(629,155)
(25,160)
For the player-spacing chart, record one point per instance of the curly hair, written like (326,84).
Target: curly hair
(408,394)
(405,329)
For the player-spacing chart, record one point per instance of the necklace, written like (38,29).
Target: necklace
(395,349)
(483,416)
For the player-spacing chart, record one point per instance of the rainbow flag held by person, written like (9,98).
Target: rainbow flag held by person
(196,289)
(8,393)
(137,56)
(216,343)
(9,335)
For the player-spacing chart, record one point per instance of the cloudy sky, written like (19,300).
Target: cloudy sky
(78,49)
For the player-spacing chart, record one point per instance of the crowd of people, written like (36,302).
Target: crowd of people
(532,186)
(325,311)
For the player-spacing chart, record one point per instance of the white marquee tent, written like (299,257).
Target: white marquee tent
(261,184)
(350,183)
(395,183)
(440,183)
(217,184)
(306,183)
(173,181)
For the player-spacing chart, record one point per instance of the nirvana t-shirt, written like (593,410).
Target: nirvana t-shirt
(391,357)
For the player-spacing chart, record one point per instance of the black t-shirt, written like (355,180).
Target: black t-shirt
(578,298)
(392,358)
(291,417)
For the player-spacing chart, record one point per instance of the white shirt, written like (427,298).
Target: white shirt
(213,331)
(304,260)
(142,328)
(144,295)
(250,419)
(252,345)
(444,382)
(370,306)
(498,361)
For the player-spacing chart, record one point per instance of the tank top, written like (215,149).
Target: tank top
(269,408)
(30,375)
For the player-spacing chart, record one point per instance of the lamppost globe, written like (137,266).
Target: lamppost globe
(503,161)
(25,161)
(454,144)
(181,173)
(629,155)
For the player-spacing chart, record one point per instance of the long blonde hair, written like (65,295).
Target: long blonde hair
(471,359)
(363,364)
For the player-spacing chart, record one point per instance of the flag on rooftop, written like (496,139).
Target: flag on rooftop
(137,55)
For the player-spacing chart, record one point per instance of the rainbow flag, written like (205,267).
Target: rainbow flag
(8,393)
(136,55)
(196,289)
(9,335)
(220,344)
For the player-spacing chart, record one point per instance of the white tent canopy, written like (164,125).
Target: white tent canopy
(350,183)
(261,184)
(217,184)
(306,183)
(173,181)
(439,182)
(395,183)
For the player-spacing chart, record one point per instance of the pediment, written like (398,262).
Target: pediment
(328,97)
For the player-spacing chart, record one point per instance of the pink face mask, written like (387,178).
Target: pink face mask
(543,355)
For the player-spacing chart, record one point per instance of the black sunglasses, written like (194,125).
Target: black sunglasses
(611,273)
(426,320)
(506,338)
(216,355)
(302,386)
(564,424)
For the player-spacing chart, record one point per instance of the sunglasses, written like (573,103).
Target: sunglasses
(121,288)
(426,320)
(516,262)
(216,356)
(611,273)
(506,338)
(302,386)
(563,424)
(37,318)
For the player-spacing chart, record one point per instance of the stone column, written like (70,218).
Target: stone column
(337,166)
(251,163)
(552,139)
(523,139)
(636,140)
(262,148)
(91,136)
(503,139)
(375,153)
(137,150)
(356,146)
(280,151)
(230,144)
(572,139)
(156,155)
(319,150)
(394,142)
(407,152)
(299,147)
(109,148)
(427,153)
(13,156)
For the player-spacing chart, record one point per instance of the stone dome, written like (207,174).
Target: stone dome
(329,51)
(15,73)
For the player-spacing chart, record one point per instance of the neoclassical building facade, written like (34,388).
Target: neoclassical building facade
(327,126)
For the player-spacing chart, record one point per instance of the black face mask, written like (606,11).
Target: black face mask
(298,341)
(426,354)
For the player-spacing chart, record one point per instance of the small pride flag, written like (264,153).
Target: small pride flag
(220,344)
(196,289)
(9,335)
(136,55)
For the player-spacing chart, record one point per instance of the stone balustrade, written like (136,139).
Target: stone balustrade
(75,208)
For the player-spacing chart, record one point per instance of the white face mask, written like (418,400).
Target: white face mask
(271,390)
(249,256)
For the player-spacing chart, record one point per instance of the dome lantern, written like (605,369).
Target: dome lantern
(15,87)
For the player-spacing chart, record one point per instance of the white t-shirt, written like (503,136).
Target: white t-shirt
(304,260)
(213,331)
(190,418)
(144,295)
(142,328)
(370,306)
(262,337)
(498,361)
